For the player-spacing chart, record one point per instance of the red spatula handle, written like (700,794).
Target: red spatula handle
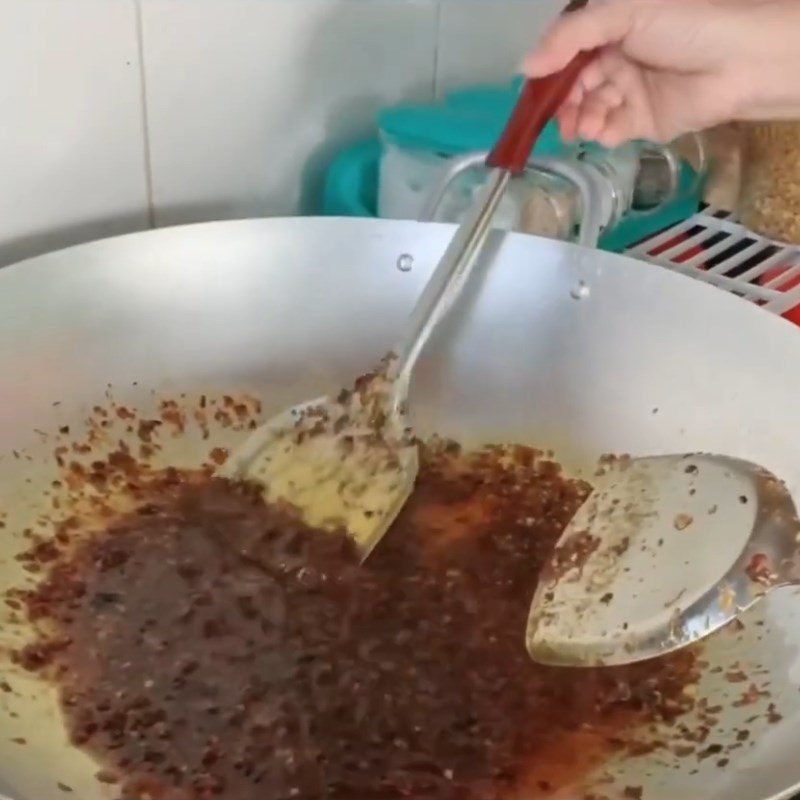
(538,102)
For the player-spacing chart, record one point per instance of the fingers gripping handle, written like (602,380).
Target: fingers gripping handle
(538,102)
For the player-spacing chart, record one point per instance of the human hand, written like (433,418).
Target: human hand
(667,67)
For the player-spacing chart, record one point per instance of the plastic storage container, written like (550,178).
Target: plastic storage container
(419,142)
(588,194)
(770,193)
(408,173)
(541,202)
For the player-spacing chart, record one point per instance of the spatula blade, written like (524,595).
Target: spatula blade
(334,480)
(661,554)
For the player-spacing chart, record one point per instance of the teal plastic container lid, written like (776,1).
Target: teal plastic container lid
(466,121)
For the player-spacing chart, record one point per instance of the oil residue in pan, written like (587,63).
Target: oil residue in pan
(204,644)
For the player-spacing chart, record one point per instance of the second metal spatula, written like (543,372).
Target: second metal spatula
(665,551)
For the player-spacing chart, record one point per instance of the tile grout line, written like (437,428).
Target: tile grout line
(146,153)
(437,34)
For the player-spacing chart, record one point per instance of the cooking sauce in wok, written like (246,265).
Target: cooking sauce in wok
(206,645)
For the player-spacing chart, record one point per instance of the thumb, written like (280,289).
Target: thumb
(592,27)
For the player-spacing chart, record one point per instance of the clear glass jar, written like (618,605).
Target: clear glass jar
(538,203)
(717,162)
(770,198)
(550,204)
(576,197)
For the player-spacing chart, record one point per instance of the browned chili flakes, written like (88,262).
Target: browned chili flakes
(209,645)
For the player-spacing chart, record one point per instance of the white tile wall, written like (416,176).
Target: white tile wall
(246,100)
(71,135)
(482,40)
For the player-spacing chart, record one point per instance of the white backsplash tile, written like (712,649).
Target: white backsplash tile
(248,99)
(485,40)
(72,162)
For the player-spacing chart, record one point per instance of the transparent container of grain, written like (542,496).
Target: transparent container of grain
(770,196)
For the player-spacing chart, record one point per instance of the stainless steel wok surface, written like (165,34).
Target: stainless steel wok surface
(564,348)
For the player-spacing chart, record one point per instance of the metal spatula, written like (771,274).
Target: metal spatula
(665,551)
(350,462)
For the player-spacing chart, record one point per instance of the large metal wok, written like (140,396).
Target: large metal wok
(559,346)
